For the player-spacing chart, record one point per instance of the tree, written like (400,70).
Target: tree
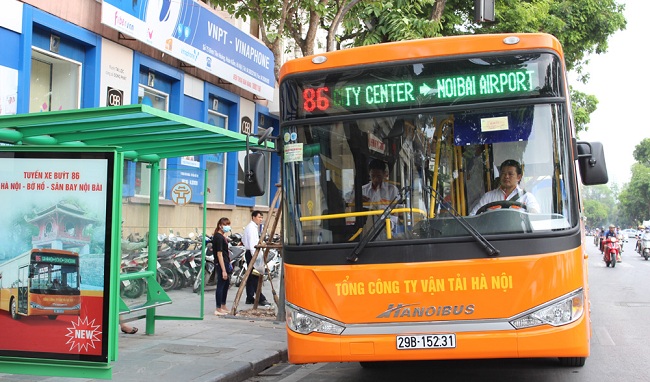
(599,205)
(642,152)
(635,196)
(596,213)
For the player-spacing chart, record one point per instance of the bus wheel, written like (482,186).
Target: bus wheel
(52,316)
(13,308)
(572,361)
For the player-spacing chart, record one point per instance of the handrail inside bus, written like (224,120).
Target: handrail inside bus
(361,213)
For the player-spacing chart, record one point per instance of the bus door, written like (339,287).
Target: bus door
(23,284)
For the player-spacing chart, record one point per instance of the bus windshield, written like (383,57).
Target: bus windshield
(55,279)
(435,165)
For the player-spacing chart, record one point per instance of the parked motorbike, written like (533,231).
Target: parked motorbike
(208,270)
(132,288)
(611,251)
(237,259)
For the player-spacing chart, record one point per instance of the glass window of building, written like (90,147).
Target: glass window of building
(159,100)
(55,82)
(216,164)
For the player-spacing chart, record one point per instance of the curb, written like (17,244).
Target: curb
(243,373)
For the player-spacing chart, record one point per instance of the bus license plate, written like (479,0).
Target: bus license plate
(426,341)
(58,311)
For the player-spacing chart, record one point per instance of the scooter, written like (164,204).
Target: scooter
(238,261)
(208,272)
(645,246)
(611,251)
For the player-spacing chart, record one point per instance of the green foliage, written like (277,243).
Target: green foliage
(635,196)
(582,26)
(582,106)
(642,152)
(596,212)
(600,205)
(373,22)
(634,200)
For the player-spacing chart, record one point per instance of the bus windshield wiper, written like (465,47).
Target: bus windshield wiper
(487,246)
(377,225)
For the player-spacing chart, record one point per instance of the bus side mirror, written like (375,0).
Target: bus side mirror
(255,174)
(591,161)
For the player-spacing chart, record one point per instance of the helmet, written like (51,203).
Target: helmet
(612,226)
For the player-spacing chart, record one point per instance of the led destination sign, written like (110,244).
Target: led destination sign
(390,94)
(53,259)
(410,86)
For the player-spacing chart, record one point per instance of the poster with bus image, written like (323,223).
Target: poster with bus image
(54,254)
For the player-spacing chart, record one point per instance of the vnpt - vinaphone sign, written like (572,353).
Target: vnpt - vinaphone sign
(195,35)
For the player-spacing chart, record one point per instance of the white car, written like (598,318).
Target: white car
(629,233)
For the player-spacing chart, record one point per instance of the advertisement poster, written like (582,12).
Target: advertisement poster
(54,254)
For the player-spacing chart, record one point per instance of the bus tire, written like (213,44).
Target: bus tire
(573,361)
(52,317)
(13,309)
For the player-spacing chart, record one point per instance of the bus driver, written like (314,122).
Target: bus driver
(510,174)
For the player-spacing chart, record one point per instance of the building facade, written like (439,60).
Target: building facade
(86,54)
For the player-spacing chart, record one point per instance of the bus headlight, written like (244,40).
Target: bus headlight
(303,322)
(560,312)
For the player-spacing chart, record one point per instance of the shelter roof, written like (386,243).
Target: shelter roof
(141,132)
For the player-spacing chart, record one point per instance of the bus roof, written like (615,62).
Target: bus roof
(414,49)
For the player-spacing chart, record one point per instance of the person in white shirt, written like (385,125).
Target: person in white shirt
(250,239)
(510,174)
(377,194)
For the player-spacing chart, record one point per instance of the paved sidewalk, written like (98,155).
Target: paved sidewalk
(223,348)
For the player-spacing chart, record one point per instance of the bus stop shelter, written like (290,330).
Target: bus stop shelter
(135,132)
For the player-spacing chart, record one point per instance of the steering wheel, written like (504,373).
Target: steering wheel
(499,204)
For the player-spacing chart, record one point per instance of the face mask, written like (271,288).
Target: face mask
(226,228)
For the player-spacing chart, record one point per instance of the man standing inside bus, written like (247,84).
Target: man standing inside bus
(510,175)
(377,193)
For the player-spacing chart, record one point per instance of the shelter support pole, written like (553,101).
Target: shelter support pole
(153,240)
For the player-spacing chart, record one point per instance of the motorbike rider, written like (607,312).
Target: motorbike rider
(611,232)
(640,238)
(601,237)
(639,242)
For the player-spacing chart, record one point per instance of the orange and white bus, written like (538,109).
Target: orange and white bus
(41,282)
(420,274)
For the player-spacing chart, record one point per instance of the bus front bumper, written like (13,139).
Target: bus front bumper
(545,341)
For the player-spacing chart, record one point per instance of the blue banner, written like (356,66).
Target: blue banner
(187,30)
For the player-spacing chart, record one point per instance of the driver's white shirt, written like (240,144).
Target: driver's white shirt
(527,199)
(379,198)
